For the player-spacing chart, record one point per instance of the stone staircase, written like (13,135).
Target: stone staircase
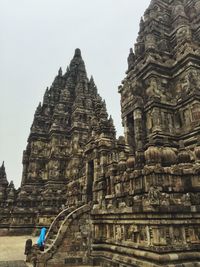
(56,233)
(54,228)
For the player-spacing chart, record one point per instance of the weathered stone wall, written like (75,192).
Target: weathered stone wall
(159,217)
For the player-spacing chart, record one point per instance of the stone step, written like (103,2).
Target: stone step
(49,242)
(56,265)
(12,264)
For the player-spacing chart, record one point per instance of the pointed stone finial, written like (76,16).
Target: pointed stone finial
(112,126)
(77,53)
(67,72)
(2,168)
(92,86)
(141,24)
(11,184)
(91,79)
(104,103)
(131,50)
(60,72)
(77,66)
(131,59)
(38,109)
(92,83)
(111,120)
(46,96)
(3,178)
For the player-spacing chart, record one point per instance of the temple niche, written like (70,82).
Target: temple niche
(131,200)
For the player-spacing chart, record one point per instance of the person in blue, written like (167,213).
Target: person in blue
(41,239)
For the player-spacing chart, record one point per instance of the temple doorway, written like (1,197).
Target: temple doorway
(90,180)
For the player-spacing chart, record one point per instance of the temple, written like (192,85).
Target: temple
(127,201)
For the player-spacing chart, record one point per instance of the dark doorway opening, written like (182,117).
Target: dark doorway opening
(90,180)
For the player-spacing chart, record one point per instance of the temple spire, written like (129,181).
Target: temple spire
(77,53)
(131,59)
(60,72)
(77,66)
(3,176)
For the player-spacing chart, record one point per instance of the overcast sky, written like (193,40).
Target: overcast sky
(39,36)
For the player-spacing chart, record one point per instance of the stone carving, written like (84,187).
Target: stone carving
(59,109)
(163,45)
(154,90)
(139,48)
(193,81)
(197,6)
(188,84)
(143,187)
(179,9)
(150,42)
(154,196)
(178,236)
(183,34)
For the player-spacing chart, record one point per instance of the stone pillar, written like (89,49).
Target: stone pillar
(138,135)
(156,120)
(129,132)
(103,162)
(126,130)
(138,127)
(95,169)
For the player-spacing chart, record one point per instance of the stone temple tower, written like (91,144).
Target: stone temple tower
(53,162)
(160,102)
(160,95)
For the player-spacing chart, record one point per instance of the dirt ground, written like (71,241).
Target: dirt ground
(12,247)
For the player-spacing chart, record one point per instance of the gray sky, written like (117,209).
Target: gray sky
(39,36)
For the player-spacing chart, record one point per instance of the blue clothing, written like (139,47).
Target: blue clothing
(41,238)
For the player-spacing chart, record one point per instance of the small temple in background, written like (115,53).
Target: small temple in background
(118,202)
